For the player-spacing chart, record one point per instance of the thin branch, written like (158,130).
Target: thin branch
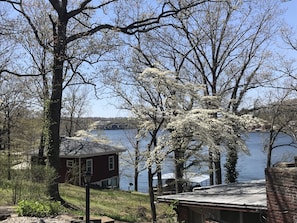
(139,26)
(23,13)
(83,7)
(19,75)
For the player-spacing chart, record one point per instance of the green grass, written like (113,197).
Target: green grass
(119,205)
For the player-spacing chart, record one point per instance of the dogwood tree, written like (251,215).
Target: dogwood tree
(224,46)
(189,124)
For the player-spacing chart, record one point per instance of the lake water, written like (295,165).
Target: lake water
(250,167)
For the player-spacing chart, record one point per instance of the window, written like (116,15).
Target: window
(110,183)
(69,163)
(230,216)
(253,217)
(111,163)
(89,166)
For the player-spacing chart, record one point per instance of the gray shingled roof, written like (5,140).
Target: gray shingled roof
(73,147)
(251,195)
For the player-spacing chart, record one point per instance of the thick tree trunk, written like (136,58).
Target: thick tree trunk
(54,147)
(54,141)
(59,30)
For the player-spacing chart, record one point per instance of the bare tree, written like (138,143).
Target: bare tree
(279,107)
(134,157)
(279,114)
(74,23)
(75,105)
(12,107)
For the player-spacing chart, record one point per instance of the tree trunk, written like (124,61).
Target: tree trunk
(40,160)
(210,167)
(230,165)
(136,166)
(70,128)
(151,194)
(179,170)
(54,149)
(59,30)
(269,152)
(218,169)
(44,136)
(8,126)
(270,147)
(136,174)
(160,185)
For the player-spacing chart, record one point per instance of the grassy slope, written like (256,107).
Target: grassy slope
(119,205)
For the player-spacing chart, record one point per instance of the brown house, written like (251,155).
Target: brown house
(78,156)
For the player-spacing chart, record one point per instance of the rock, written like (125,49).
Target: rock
(4,216)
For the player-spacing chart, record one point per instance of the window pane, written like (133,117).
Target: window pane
(111,163)
(230,216)
(89,166)
(69,163)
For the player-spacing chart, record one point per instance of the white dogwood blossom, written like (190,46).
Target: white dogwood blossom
(189,116)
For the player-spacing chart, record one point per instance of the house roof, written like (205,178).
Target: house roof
(249,196)
(77,147)
(190,176)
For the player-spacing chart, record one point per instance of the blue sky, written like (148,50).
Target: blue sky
(290,14)
(106,107)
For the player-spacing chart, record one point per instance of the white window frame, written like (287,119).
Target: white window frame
(69,163)
(89,165)
(111,163)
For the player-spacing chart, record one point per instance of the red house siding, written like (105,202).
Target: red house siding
(64,170)
(100,168)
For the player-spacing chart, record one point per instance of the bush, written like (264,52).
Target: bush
(38,209)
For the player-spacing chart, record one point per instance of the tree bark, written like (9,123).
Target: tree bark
(179,170)
(270,147)
(59,31)
(44,136)
(8,131)
(151,194)
(136,166)
(218,169)
(230,165)
(210,167)
(160,185)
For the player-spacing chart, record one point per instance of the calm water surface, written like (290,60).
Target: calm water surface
(250,167)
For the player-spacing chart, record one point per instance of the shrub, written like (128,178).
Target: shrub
(38,209)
